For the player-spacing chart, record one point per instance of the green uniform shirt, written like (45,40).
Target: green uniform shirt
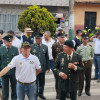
(61,65)
(42,53)
(85,51)
(6,57)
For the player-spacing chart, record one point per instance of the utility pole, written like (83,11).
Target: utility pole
(71,19)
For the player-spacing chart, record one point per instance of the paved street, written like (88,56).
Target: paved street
(51,94)
(50,91)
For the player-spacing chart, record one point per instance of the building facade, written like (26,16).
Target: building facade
(10,11)
(86,14)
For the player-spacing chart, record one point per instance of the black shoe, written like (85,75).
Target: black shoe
(98,80)
(79,94)
(94,78)
(68,96)
(42,97)
(88,93)
(57,97)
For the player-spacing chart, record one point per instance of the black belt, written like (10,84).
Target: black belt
(97,54)
(86,61)
(25,83)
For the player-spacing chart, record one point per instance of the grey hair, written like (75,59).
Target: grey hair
(48,32)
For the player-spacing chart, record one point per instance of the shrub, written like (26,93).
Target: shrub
(35,18)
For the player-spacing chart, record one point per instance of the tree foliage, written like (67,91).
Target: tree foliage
(35,18)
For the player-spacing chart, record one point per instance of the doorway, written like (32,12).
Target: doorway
(90,20)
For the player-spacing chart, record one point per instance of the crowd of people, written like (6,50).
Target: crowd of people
(25,61)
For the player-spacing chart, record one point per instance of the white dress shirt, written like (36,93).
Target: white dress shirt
(49,45)
(17,43)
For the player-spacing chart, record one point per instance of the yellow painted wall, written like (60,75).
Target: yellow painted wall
(79,12)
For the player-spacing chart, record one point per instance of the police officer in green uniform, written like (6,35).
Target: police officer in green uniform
(86,51)
(67,67)
(56,49)
(7,52)
(41,51)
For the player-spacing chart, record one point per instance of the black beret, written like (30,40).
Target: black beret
(38,34)
(85,35)
(25,44)
(1,31)
(69,43)
(8,38)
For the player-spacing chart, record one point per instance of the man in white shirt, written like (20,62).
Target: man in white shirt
(96,40)
(48,41)
(27,67)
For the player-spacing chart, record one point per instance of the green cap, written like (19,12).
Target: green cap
(61,34)
(8,38)
(85,35)
(25,44)
(38,35)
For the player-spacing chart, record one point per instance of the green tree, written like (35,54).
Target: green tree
(35,18)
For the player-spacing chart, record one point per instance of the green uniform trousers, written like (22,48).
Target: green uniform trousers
(5,87)
(73,95)
(87,74)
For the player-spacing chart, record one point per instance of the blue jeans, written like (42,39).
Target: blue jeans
(51,65)
(97,66)
(30,90)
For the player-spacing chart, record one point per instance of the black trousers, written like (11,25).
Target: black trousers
(40,83)
(5,87)
(56,84)
(86,75)
(73,95)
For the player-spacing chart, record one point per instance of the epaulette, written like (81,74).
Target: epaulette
(90,45)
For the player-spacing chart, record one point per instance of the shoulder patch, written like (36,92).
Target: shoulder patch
(9,63)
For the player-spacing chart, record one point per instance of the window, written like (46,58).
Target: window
(9,22)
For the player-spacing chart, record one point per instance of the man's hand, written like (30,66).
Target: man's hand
(63,75)
(91,38)
(72,66)
(38,71)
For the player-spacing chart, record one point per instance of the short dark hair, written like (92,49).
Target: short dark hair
(1,32)
(78,31)
(11,32)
